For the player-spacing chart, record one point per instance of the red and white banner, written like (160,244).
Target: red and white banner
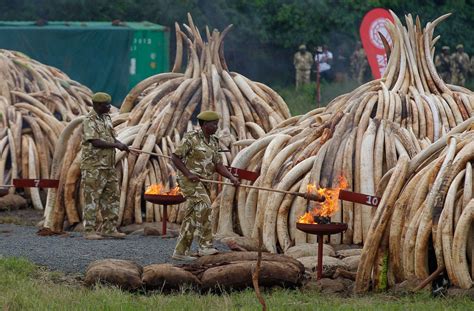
(375,21)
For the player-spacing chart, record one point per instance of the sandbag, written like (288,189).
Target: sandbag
(12,202)
(121,273)
(237,242)
(349,252)
(309,249)
(167,276)
(330,264)
(238,275)
(245,256)
(352,262)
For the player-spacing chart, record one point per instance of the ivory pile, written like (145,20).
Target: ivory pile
(428,198)
(38,88)
(36,101)
(249,109)
(359,136)
(153,118)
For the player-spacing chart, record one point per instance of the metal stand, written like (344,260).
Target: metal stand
(164,219)
(320,256)
(320,230)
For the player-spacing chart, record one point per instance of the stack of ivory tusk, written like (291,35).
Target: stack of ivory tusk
(249,109)
(427,200)
(153,118)
(30,86)
(359,135)
(36,101)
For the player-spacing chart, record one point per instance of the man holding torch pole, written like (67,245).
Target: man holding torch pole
(197,158)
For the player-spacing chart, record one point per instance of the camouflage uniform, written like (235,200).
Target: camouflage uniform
(443,64)
(459,67)
(358,65)
(303,63)
(201,159)
(99,178)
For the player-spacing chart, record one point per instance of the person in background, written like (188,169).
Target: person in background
(99,178)
(302,60)
(459,66)
(359,64)
(443,64)
(197,158)
(323,58)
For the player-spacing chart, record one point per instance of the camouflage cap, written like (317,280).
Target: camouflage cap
(459,46)
(101,98)
(302,47)
(445,48)
(208,116)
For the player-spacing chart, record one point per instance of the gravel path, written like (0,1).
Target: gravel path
(73,253)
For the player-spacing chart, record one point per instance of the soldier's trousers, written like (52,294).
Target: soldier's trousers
(302,77)
(197,217)
(100,188)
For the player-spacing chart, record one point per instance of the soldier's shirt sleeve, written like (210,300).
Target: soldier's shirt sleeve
(184,147)
(90,130)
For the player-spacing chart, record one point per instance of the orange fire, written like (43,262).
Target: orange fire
(327,208)
(160,189)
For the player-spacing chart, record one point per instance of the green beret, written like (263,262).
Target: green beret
(208,116)
(459,46)
(101,98)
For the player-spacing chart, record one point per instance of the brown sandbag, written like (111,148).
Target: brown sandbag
(309,249)
(241,243)
(330,265)
(352,262)
(238,275)
(12,202)
(121,273)
(245,256)
(167,276)
(349,252)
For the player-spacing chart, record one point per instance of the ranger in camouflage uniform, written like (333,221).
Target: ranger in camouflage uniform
(99,179)
(197,157)
(359,63)
(303,60)
(459,66)
(443,64)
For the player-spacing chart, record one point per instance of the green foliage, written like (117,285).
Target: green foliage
(266,32)
(303,99)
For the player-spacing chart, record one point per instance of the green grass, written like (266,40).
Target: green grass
(302,100)
(24,286)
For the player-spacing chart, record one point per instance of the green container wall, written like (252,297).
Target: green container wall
(97,54)
(149,54)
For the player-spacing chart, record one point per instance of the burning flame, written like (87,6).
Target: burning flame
(160,189)
(327,208)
